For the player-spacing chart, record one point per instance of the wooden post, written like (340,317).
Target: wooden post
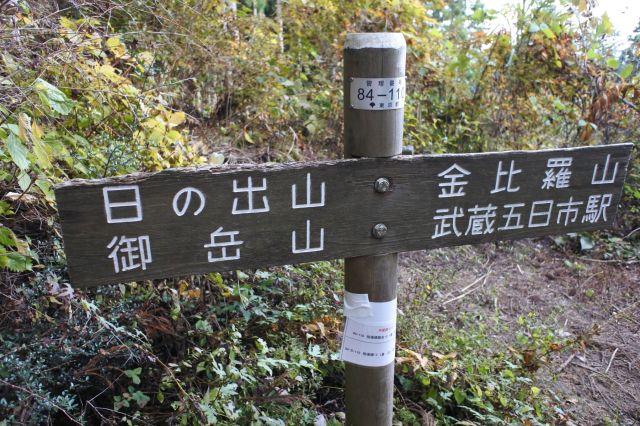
(372,133)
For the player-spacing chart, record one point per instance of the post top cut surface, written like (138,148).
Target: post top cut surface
(375,41)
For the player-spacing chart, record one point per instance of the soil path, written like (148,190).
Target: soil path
(597,302)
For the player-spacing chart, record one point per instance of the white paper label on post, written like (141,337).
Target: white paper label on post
(370,339)
(377,94)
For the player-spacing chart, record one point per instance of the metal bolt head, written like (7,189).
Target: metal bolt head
(382,185)
(379,230)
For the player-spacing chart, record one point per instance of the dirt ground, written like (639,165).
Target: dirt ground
(597,382)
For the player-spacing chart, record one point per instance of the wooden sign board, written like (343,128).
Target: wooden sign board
(184,221)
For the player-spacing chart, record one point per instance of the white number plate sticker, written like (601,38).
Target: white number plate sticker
(375,94)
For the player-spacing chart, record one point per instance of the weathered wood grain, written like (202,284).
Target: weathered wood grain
(369,391)
(351,209)
(373,55)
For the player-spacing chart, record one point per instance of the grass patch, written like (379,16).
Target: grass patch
(472,368)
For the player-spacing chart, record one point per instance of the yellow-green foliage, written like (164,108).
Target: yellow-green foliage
(81,107)
(271,77)
(73,106)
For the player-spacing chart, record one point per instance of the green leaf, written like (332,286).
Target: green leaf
(459,395)
(558,105)
(176,118)
(18,152)
(229,389)
(42,155)
(247,138)
(613,63)
(173,136)
(134,375)
(436,34)
(5,209)
(13,128)
(261,345)
(15,262)
(586,243)
(24,181)
(479,15)
(7,238)
(140,398)
(45,187)
(52,97)
(209,413)
(626,71)
(592,54)
(314,350)
(216,158)
(605,26)
(503,400)
(547,31)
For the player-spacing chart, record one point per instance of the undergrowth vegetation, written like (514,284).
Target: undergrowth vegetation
(234,349)
(459,367)
(95,89)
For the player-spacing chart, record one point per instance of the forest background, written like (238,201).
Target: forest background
(106,87)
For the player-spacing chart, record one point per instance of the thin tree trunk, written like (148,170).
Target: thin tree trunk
(280,25)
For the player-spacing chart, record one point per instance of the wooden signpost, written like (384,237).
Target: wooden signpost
(179,222)
(185,221)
